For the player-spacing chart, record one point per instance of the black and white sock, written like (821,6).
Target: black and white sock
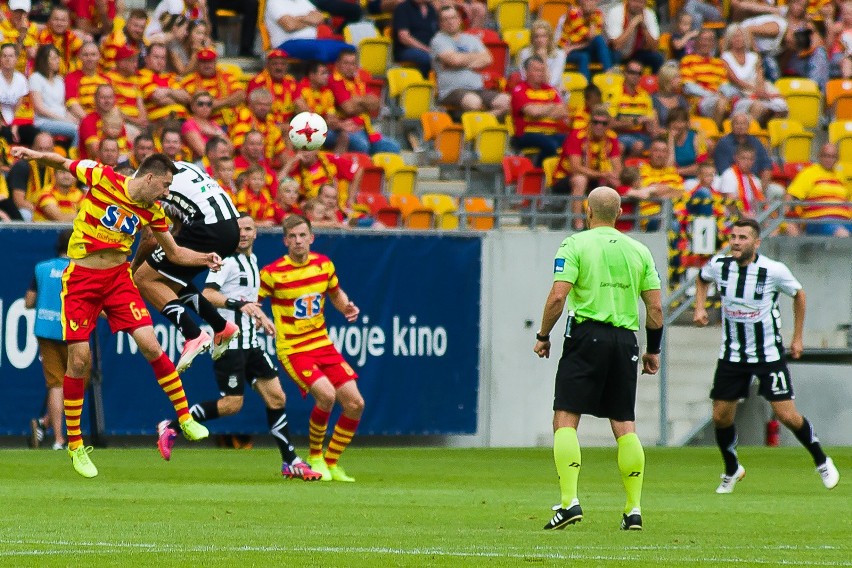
(190,296)
(277,420)
(809,440)
(201,412)
(177,313)
(726,439)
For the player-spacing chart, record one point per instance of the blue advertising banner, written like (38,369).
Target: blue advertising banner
(415,345)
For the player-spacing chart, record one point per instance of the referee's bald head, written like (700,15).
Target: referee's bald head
(604,204)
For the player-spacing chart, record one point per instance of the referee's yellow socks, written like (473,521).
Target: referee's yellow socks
(566,454)
(631,463)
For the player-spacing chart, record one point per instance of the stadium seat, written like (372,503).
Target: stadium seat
(790,140)
(447,137)
(804,99)
(489,141)
(549,167)
(516,39)
(494,76)
(379,207)
(482,211)
(355,32)
(840,133)
(705,125)
(844,172)
(265,43)
(838,98)
(372,176)
(666,45)
(400,177)
(445,209)
(520,173)
(573,84)
(414,214)
(511,14)
(374,54)
(553,10)
(609,83)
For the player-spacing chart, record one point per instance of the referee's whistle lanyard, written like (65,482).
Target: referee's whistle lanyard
(569,324)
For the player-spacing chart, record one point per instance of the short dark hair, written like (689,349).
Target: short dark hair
(158,164)
(678,114)
(743,148)
(313,66)
(170,129)
(212,143)
(748,222)
(592,89)
(347,51)
(142,137)
(532,58)
(137,14)
(294,220)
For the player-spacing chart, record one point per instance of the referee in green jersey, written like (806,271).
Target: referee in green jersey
(600,273)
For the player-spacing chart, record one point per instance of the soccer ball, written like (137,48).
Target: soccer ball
(308,131)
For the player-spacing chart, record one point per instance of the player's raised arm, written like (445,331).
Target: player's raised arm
(50,159)
(185,256)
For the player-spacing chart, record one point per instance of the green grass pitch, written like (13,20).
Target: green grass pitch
(416,507)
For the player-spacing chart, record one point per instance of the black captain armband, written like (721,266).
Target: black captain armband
(235,305)
(654,340)
(540,337)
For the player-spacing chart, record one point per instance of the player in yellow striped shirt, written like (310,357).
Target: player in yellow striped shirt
(298,285)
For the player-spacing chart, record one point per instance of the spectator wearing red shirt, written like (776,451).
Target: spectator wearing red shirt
(537,110)
(162,94)
(91,126)
(128,92)
(355,105)
(630,189)
(94,17)
(58,32)
(130,36)
(587,159)
(313,94)
(275,79)
(312,170)
(255,199)
(80,85)
(256,116)
(288,197)
(252,153)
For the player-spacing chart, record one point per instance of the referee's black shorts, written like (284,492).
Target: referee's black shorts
(597,372)
(221,238)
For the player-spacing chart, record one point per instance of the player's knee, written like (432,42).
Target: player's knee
(353,406)
(723,417)
(324,397)
(230,405)
(275,399)
(79,365)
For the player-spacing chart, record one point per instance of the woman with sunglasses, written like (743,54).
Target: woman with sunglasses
(199,127)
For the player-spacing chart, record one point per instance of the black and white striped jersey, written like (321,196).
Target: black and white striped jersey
(239,279)
(751,326)
(195,198)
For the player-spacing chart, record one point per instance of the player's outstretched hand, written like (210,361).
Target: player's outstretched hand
(650,363)
(351,312)
(214,261)
(22,153)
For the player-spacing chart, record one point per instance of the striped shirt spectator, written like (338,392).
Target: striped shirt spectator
(277,81)
(16,28)
(251,153)
(125,83)
(224,88)
(161,92)
(311,169)
(820,183)
(538,111)
(705,76)
(255,199)
(59,33)
(59,201)
(80,85)
(91,127)
(633,110)
(583,39)
(313,94)
(256,116)
(130,36)
(661,180)
(93,16)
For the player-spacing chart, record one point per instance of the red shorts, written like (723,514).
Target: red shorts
(309,366)
(88,291)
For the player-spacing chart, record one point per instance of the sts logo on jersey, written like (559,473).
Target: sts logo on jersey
(118,220)
(307,306)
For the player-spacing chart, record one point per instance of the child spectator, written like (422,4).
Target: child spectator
(224,172)
(288,197)
(254,199)
(112,127)
(683,36)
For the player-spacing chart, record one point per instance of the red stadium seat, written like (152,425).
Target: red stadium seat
(380,208)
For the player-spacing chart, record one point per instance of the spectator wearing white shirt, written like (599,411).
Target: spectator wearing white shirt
(634,33)
(738,181)
(15,127)
(47,90)
(291,19)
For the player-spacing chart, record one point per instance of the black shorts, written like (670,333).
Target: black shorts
(732,380)
(597,372)
(221,238)
(238,366)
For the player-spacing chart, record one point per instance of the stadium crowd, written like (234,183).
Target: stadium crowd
(728,106)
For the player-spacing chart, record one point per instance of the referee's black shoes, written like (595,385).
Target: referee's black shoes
(631,522)
(565,517)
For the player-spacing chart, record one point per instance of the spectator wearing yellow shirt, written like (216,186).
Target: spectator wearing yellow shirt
(128,93)
(633,111)
(257,115)
(314,94)
(18,30)
(820,183)
(60,201)
(661,180)
(705,77)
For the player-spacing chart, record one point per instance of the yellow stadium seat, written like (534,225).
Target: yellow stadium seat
(488,137)
(401,77)
(705,125)
(374,55)
(791,140)
(516,39)
(804,99)
(781,128)
(400,177)
(840,133)
(573,85)
(414,214)
(445,209)
(549,166)
(511,14)
(261,26)
(484,219)
(609,83)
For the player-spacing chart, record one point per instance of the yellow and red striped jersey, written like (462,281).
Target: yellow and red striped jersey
(312,177)
(283,94)
(10,34)
(577,26)
(594,154)
(654,176)
(344,89)
(80,88)
(815,183)
(320,102)
(298,293)
(127,93)
(221,85)
(68,44)
(244,121)
(110,46)
(150,82)
(524,94)
(108,218)
(67,202)
(626,104)
(259,206)
(707,72)
(271,180)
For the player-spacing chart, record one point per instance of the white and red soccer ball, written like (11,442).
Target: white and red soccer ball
(308,131)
